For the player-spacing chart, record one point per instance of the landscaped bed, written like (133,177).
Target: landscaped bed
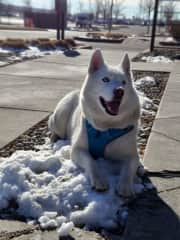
(159,55)
(108,37)
(14,50)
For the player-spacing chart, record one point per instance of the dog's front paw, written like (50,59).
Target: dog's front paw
(125,190)
(99,184)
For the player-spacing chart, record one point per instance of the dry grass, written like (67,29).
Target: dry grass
(43,39)
(46,45)
(14,43)
(1,42)
(70,42)
(42,43)
(60,43)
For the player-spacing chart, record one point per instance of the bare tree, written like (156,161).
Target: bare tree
(27,3)
(108,8)
(118,8)
(105,9)
(69,6)
(1,1)
(169,11)
(81,5)
(141,10)
(110,15)
(147,7)
(98,8)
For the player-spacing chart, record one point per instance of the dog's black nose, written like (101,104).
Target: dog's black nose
(118,92)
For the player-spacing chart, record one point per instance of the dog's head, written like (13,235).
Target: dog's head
(108,92)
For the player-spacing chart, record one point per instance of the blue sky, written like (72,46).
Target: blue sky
(130,6)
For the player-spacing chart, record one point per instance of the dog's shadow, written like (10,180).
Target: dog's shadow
(150,218)
(71,53)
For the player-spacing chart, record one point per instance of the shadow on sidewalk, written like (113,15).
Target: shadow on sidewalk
(150,218)
(71,53)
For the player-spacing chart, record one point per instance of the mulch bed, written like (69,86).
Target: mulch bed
(169,52)
(39,132)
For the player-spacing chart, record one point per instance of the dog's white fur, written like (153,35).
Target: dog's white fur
(67,122)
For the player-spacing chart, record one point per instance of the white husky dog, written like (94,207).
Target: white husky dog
(101,122)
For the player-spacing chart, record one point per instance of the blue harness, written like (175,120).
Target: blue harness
(98,140)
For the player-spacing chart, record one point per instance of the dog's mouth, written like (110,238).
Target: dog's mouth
(111,107)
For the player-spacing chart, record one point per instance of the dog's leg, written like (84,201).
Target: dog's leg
(54,138)
(83,159)
(126,184)
(59,120)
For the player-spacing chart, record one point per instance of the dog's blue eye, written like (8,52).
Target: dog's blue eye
(106,79)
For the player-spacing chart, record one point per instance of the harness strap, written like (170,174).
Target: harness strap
(98,140)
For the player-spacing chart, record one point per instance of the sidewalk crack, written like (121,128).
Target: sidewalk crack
(24,109)
(165,135)
(169,189)
(172,117)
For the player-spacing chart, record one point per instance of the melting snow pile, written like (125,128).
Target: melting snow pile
(13,54)
(156,59)
(147,105)
(47,186)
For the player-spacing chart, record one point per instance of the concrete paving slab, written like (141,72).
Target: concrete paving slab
(165,184)
(35,93)
(150,218)
(170,102)
(44,70)
(10,229)
(176,67)
(152,67)
(77,234)
(172,198)
(169,127)
(80,58)
(15,122)
(111,57)
(162,153)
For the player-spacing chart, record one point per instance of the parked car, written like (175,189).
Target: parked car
(84,20)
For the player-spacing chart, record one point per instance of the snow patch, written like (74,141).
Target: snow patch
(65,229)
(50,188)
(145,82)
(156,59)
(18,55)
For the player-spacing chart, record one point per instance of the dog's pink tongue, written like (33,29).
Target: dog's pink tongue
(113,107)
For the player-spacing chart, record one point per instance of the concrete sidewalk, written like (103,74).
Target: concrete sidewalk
(163,149)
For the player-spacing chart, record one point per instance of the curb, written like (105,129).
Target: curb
(99,40)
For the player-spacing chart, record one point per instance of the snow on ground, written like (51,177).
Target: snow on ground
(49,188)
(156,59)
(147,105)
(48,181)
(25,54)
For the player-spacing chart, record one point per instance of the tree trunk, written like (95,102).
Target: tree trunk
(149,18)
(111,16)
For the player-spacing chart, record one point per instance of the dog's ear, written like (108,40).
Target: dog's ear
(126,65)
(96,62)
